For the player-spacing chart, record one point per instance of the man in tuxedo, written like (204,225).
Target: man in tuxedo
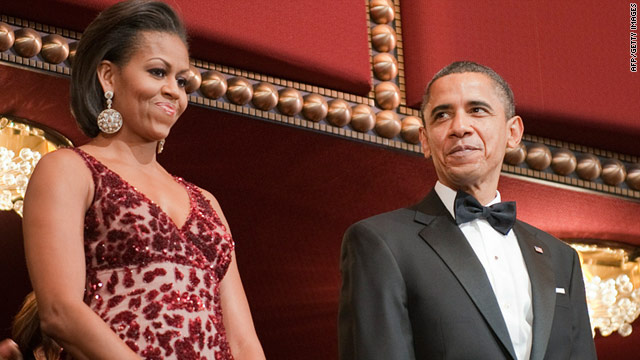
(456,276)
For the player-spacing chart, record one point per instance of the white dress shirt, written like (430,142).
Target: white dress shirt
(502,260)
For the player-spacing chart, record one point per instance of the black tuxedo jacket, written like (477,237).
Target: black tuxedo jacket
(412,288)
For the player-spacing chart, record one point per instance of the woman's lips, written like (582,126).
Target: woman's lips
(168,108)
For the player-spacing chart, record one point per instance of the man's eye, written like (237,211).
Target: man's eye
(440,116)
(478,110)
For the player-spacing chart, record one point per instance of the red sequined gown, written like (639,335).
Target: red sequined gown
(155,284)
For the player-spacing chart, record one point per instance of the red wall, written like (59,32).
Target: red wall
(568,62)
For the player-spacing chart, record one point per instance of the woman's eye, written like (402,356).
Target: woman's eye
(157,72)
(182,82)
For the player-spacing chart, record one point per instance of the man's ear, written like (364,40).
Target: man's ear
(105,71)
(424,143)
(515,129)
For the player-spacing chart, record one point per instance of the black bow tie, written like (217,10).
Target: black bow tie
(500,216)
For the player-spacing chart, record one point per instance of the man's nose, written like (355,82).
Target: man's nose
(460,124)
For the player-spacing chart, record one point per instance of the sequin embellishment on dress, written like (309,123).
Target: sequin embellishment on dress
(155,285)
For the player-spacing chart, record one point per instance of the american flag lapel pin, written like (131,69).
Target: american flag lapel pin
(538,249)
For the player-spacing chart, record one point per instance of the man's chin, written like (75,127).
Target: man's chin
(470,174)
(463,175)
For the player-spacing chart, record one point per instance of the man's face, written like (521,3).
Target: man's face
(466,131)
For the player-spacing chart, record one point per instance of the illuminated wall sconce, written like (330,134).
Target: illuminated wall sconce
(612,283)
(22,144)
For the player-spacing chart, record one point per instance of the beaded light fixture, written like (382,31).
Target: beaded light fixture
(612,284)
(22,144)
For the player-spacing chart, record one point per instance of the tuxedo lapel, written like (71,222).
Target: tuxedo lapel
(536,258)
(445,238)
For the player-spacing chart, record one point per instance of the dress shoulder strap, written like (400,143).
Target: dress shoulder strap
(201,202)
(89,160)
(94,166)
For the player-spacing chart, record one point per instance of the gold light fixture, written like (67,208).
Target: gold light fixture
(22,144)
(612,283)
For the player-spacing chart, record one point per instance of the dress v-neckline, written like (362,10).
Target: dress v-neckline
(146,198)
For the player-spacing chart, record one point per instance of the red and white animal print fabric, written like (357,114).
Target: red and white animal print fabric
(156,285)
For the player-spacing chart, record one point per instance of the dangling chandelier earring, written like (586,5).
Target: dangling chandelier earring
(109,120)
(160,147)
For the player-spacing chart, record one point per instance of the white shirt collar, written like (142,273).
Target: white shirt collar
(448,197)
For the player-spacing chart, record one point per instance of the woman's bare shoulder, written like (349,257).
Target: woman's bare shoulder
(60,180)
(62,158)
(62,166)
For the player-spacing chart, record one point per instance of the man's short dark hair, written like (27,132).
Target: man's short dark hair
(459,67)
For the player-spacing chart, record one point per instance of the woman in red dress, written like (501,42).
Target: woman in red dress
(127,260)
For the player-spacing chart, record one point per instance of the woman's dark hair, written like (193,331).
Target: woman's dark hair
(114,36)
(26,332)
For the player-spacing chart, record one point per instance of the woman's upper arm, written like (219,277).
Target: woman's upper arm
(59,193)
(54,208)
(237,316)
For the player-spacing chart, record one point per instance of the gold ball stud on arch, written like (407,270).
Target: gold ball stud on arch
(265,96)
(214,84)
(564,162)
(55,49)
(613,172)
(194,80)
(7,37)
(385,66)
(363,118)
(633,176)
(538,156)
(28,42)
(589,167)
(387,124)
(73,47)
(315,107)
(387,95)
(383,38)
(290,102)
(382,11)
(339,113)
(240,90)
(516,155)
(410,130)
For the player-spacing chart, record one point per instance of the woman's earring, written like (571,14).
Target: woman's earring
(109,120)
(160,147)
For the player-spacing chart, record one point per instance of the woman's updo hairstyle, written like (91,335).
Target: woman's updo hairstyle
(114,36)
